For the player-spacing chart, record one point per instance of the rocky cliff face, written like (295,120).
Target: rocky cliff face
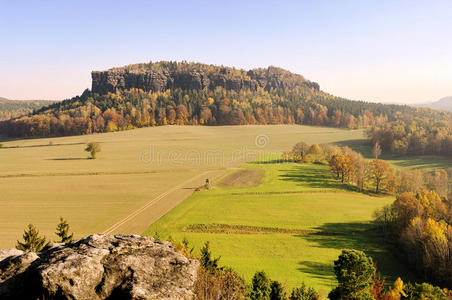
(166,75)
(99,267)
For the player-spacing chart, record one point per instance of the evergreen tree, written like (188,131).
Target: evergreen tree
(32,241)
(207,262)
(260,289)
(304,293)
(277,291)
(354,272)
(62,231)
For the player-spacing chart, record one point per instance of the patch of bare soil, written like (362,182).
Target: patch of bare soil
(243,178)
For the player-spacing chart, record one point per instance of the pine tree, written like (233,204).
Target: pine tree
(62,231)
(32,241)
(277,291)
(260,288)
(207,262)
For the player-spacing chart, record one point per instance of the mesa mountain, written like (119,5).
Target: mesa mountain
(182,93)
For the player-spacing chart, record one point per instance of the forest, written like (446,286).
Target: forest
(170,93)
(15,108)
(422,134)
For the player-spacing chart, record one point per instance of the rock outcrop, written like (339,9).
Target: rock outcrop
(99,267)
(188,76)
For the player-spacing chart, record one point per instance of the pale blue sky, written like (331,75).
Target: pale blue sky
(389,51)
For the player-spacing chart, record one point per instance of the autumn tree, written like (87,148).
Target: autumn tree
(376,150)
(438,181)
(342,165)
(315,153)
(382,176)
(299,151)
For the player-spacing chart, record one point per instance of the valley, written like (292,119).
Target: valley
(43,179)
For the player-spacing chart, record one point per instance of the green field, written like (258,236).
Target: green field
(293,225)
(43,179)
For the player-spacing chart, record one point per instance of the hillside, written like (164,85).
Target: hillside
(442,104)
(16,108)
(167,93)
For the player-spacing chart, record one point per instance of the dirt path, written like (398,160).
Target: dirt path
(138,221)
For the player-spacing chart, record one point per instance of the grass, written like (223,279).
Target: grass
(43,179)
(423,162)
(292,222)
(293,225)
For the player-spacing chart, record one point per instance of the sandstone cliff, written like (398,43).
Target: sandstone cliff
(170,75)
(99,267)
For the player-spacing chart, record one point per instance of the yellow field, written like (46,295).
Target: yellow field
(139,175)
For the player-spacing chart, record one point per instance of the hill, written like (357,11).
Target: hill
(167,93)
(16,108)
(442,104)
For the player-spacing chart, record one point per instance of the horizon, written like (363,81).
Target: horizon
(380,52)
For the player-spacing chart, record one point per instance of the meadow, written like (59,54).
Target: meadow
(293,224)
(138,176)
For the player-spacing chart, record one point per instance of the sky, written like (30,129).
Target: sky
(381,51)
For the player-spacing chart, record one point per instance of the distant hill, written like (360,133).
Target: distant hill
(183,93)
(1,98)
(16,108)
(442,104)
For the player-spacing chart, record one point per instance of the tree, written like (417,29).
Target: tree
(424,291)
(62,231)
(376,150)
(361,171)
(316,153)
(260,289)
(277,291)
(93,148)
(32,241)
(304,293)
(440,182)
(343,166)
(397,292)
(354,272)
(221,284)
(382,176)
(300,150)
(207,262)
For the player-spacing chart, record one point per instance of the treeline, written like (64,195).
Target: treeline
(350,167)
(127,109)
(15,108)
(425,134)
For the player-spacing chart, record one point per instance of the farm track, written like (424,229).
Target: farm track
(139,220)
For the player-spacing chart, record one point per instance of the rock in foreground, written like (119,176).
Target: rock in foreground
(99,267)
